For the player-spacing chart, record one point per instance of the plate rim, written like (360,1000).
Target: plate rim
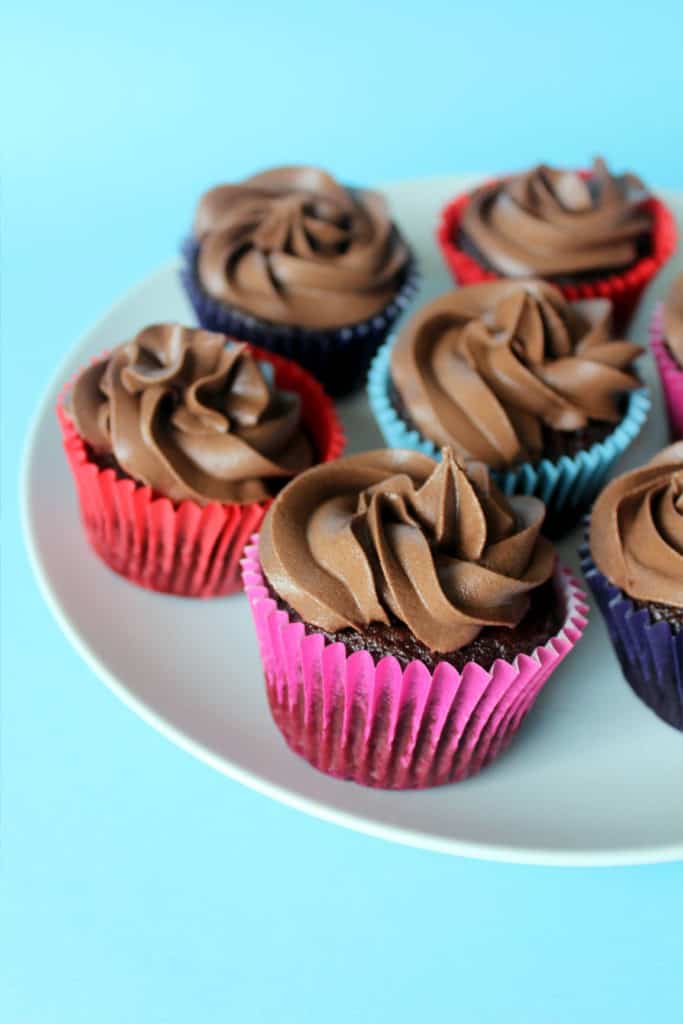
(586,857)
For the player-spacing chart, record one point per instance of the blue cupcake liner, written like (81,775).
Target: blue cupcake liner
(339,358)
(568,486)
(650,653)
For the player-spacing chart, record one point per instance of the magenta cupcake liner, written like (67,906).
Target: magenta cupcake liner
(670,374)
(650,653)
(339,357)
(390,727)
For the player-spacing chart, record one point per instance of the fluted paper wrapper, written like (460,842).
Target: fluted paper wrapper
(623,288)
(183,548)
(670,375)
(337,357)
(390,727)
(650,653)
(567,486)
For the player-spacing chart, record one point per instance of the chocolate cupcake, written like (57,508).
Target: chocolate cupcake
(666,339)
(513,375)
(178,441)
(594,234)
(300,265)
(634,565)
(408,615)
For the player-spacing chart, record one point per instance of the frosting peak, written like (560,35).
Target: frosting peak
(191,416)
(293,246)
(553,222)
(446,506)
(487,367)
(636,533)
(392,535)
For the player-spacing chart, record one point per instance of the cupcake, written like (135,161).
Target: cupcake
(407,614)
(592,233)
(513,375)
(666,339)
(178,441)
(300,265)
(634,565)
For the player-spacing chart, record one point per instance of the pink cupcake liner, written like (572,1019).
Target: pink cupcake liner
(670,374)
(389,727)
(183,548)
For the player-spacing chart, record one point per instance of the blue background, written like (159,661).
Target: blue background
(137,885)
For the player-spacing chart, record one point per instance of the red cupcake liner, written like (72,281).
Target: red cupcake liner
(381,725)
(670,374)
(184,548)
(623,289)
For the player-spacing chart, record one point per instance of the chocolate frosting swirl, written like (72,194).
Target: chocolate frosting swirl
(391,533)
(673,319)
(549,222)
(295,247)
(485,367)
(192,416)
(636,533)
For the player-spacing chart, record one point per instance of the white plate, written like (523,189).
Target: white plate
(593,777)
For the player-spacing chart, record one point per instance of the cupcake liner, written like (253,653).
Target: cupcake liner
(567,486)
(670,374)
(650,653)
(183,548)
(391,727)
(338,358)
(622,288)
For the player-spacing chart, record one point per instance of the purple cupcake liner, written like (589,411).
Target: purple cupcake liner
(650,653)
(339,358)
